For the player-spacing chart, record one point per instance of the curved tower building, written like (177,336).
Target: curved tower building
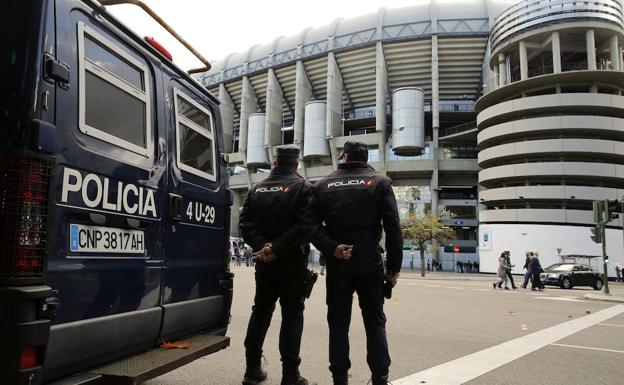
(551,129)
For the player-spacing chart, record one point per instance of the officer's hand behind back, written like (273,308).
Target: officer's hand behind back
(392,278)
(343,251)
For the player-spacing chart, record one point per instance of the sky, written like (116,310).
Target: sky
(218,28)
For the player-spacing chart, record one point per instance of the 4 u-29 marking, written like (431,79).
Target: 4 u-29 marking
(200,212)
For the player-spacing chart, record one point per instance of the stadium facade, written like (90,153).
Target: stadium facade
(505,117)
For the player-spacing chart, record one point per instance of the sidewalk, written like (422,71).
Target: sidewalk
(602,297)
(446,276)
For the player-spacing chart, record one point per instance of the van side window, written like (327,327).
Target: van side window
(195,137)
(114,93)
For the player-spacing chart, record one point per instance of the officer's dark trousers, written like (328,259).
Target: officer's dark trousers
(273,284)
(342,282)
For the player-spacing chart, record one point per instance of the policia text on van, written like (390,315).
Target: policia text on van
(114,204)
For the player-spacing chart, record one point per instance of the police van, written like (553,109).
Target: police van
(114,201)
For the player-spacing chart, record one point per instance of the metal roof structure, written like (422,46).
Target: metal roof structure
(461,18)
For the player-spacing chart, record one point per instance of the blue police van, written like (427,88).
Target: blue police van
(114,201)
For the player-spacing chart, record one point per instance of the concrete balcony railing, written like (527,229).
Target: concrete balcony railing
(552,170)
(583,217)
(549,193)
(591,148)
(530,14)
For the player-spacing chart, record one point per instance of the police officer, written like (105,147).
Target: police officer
(276,222)
(354,203)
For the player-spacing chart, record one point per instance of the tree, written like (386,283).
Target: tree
(422,231)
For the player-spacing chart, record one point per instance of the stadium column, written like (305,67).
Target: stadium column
(381,101)
(227,118)
(334,106)
(239,198)
(615,54)
(591,50)
(435,126)
(273,120)
(249,105)
(556,52)
(502,70)
(524,64)
(303,94)
(494,81)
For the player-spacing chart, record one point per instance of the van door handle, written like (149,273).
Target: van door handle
(175,208)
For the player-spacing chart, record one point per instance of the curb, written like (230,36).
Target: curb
(602,297)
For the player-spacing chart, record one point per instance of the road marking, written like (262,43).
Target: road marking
(589,348)
(616,325)
(469,367)
(566,299)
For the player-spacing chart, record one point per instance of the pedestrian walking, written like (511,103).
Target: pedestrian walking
(237,255)
(501,272)
(619,271)
(536,269)
(355,203)
(276,221)
(527,274)
(509,276)
(248,254)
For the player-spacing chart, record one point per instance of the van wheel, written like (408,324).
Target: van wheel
(566,283)
(598,284)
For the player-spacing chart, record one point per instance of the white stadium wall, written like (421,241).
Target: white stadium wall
(545,239)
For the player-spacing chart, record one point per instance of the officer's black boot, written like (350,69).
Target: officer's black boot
(254,376)
(341,379)
(298,380)
(380,380)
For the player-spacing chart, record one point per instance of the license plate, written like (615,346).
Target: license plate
(96,239)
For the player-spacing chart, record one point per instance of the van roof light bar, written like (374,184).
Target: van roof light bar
(166,26)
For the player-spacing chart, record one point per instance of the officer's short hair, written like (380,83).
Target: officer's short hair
(287,156)
(357,151)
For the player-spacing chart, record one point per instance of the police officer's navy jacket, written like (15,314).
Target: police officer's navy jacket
(278,211)
(354,201)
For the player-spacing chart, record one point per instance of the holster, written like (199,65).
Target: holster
(308,281)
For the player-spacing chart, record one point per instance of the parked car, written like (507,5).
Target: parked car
(568,275)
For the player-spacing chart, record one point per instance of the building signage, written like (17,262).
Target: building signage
(485,240)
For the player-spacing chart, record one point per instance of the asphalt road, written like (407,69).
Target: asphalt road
(433,321)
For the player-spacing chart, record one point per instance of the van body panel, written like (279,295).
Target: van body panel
(185,317)
(89,175)
(107,337)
